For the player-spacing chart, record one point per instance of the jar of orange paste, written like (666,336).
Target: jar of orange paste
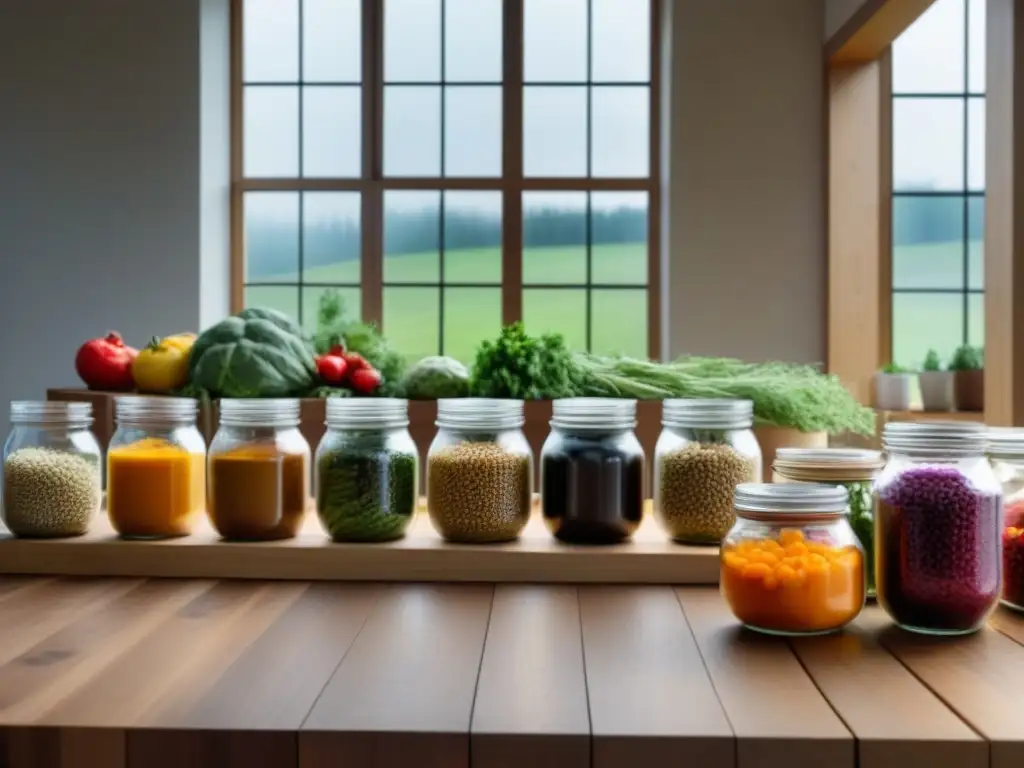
(792,564)
(156,468)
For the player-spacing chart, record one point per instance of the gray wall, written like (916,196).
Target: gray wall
(837,13)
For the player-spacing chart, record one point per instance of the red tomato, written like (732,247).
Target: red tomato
(364,381)
(331,369)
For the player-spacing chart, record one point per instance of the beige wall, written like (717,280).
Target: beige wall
(746,202)
(837,13)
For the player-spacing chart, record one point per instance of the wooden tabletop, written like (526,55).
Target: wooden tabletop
(115,673)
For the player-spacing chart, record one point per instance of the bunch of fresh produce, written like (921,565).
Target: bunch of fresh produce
(340,369)
(106,364)
(521,367)
(436,377)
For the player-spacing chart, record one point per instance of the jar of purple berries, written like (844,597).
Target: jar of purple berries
(938,524)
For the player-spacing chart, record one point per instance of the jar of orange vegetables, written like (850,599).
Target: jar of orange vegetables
(156,468)
(792,564)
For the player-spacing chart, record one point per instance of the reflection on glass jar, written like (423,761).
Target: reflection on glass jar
(1006,452)
(792,564)
(937,528)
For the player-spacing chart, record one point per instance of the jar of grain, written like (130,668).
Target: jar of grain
(592,471)
(1006,452)
(706,449)
(259,471)
(366,470)
(52,485)
(479,471)
(156,468)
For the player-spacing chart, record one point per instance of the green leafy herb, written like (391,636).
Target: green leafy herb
(967,358)
(932,361)
(519,366)
(862,521)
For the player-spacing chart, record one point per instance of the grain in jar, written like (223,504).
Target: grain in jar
(479,471)
(52,484)
(706,448)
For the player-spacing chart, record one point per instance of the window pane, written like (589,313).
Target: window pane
(412,131)
(621,40)
(412,320)
(976,242)
(976,144)
(331,131)
(472,238)
(621,132)
(271,141)
(473,40)
(928,242)
(270,48)
(271,236)
(332,41)
(554,131)
(619,322)
(472,128)
(929,56)
(976,45)
(330,237)
(554,237)
(470,316)
(557,310)
(976,320)
(618,228)
(555,40)
(928,144)
(351,302)
(412,41)
(412,237)
(923,321)
(282,298)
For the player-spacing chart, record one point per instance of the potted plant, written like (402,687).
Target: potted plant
(936,384)
(968,366)
(892,388)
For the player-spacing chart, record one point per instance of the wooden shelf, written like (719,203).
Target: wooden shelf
(421,556)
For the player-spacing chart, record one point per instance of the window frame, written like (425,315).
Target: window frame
(372,183)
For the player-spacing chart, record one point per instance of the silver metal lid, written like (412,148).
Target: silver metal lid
(838,457)
(759,500)
(1005,441)
(55,413)
(273,412)
(135,410)
(708,413)
(935,438)
(367,413)
(593,414)
(468,414)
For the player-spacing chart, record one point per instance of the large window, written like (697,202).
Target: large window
(939,181)
(451,165)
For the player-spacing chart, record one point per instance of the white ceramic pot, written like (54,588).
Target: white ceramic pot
(936,390)
(892,391)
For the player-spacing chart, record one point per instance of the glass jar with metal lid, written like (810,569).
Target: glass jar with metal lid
(366,470)
(259,471)
(592,471)
(852,468)
(706,448)
(156,467)
(52,470)
(479,471)
(1006,453)
(938,520)
(792,565)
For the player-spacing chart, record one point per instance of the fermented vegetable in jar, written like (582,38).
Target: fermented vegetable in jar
(52,484)
(852,468)
(1006,452)
(592,471)
(156,468)
(366,467)
(706,448)
(938,525)
(792,564)
(479,471)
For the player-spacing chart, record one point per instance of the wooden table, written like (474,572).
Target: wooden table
(107,673)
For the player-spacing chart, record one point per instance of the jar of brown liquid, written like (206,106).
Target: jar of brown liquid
(258,471)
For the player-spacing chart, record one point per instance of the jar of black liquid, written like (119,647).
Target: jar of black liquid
(592,471)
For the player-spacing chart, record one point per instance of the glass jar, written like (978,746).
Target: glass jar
(792,565)
(479,471)
(706,448)
(592,471)
(938,522)
(366,470)
(1006,452)
(259,471)
(852,468)
(156,468)
(52,474)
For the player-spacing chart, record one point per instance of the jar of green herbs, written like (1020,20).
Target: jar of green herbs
(852,468)
(366,470)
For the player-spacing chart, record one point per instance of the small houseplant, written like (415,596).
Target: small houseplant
(968,368)
(936,384)
(892,388)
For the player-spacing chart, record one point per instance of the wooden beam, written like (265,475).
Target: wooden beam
(859,223)
(872,29)
(1004,215)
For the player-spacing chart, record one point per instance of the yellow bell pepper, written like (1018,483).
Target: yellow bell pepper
(162,366)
